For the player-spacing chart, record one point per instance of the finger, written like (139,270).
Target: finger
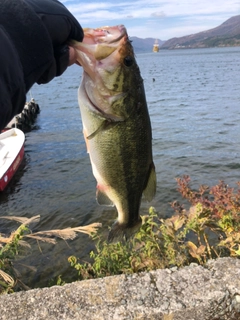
(72,56)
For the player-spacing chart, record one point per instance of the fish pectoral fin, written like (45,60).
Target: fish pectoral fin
(86,140)
(103,199)
(103,126)
(151,183)
(100,128)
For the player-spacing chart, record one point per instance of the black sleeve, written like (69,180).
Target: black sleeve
(12,87)
(61,26)
(26,53)
(33,37)
(29,37)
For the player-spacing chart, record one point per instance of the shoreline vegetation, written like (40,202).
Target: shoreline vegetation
(206,226)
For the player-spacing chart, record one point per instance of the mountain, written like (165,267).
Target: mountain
(144,45)
(227,34)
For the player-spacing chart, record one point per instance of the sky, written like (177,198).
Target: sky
(162,19)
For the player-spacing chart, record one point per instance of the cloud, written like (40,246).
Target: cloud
(160,14)
(167,18)
(151,8)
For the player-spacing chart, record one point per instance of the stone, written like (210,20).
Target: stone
(189,293)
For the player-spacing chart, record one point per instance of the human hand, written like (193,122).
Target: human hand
(61,27)
(72,56)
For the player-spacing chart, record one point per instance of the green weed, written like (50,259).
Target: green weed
(208,228)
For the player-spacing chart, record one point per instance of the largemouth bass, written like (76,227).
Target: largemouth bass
(116,125)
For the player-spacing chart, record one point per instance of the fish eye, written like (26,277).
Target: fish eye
(128,61)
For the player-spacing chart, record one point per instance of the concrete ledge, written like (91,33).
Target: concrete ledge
(191,293)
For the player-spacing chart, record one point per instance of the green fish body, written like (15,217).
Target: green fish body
(116,125)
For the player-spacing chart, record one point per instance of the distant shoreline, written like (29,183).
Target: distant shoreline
(174,49)
(199,47)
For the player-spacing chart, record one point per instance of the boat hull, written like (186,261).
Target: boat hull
(13,158)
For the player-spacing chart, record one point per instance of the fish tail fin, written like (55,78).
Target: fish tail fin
(120,231)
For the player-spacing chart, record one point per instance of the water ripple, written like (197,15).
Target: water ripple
(194,108)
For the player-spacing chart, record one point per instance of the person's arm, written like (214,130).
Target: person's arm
(37,31)
(12,87)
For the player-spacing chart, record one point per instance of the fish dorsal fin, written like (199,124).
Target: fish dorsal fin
(103,199)
(151,183)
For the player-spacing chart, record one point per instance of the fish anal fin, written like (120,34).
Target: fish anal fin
(151,184)
(102,198)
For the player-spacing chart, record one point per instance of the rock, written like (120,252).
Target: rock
(190,293)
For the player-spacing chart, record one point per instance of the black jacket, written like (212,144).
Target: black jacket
(33,48)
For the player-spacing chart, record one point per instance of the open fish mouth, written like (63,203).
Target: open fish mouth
(101,55)
(99,43)
(104,34)
(120,28)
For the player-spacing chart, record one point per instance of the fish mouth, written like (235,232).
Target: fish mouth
(98,44)
(123,33)
(107,34)
(100,56)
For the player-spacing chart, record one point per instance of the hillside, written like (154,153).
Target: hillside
(227,34)
(144,45)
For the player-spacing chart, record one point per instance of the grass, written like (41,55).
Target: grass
(207,227)
(10,280)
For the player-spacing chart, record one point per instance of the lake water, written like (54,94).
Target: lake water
(194,104)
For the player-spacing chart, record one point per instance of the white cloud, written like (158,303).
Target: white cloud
(160,14)
(143,17)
